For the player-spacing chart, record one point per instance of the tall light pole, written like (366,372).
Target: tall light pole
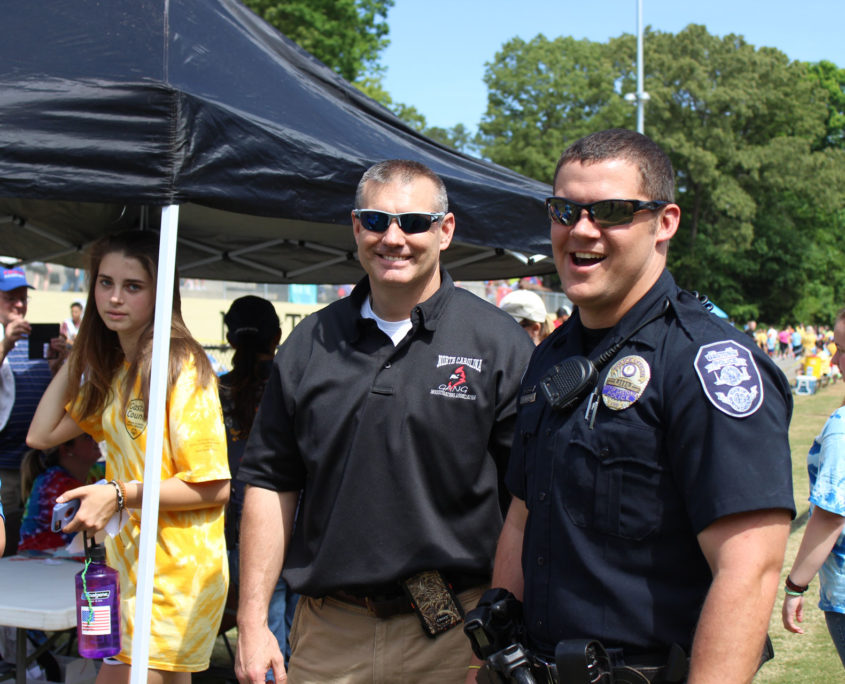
(640,97)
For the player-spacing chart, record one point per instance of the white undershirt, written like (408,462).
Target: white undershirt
(395,330)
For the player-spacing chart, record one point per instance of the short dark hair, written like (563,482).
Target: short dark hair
(406,171)
(656,174)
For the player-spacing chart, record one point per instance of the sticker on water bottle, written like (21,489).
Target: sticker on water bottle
(95,621)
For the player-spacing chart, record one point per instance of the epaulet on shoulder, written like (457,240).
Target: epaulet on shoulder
(693,311)
(702,299)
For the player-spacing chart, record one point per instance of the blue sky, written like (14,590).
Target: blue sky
(438,49)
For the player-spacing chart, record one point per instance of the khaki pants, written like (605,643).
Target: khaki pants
(338,643)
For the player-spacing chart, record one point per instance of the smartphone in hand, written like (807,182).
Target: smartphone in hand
(39,340)
(63,513)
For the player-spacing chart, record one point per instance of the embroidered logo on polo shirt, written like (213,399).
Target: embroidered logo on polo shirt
(134,420)
(456,385)
(730,378)
(446,360)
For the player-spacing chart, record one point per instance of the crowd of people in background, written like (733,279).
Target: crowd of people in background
(790,341)
(813,347)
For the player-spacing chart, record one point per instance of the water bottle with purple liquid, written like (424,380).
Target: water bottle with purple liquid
(97,605)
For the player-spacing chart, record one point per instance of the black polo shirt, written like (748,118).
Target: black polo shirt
(691,426)
(398,451)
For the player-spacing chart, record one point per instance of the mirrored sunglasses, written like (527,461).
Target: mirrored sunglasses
(604,213)
(410,222)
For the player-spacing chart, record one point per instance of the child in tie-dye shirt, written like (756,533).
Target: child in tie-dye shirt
(47,475)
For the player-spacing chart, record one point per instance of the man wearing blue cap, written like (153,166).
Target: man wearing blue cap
(22,382)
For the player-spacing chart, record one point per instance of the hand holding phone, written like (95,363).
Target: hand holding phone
(63,513)
(40,335)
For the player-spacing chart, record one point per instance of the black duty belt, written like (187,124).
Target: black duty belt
(671,668)
(546,673)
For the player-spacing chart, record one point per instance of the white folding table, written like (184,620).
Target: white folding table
(36,593)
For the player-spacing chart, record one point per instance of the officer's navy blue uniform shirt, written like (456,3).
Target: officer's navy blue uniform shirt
(399,450)
(610,549)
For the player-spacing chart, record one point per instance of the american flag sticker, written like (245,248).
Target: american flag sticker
(95,621)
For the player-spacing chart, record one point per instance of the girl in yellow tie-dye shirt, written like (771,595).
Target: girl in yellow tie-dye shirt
(104,390)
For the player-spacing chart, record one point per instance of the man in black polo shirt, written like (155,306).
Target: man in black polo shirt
(651,509)
(384,429)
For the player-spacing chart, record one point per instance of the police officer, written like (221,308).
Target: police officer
(651,507)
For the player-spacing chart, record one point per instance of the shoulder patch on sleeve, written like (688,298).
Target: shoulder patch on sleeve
(729,377)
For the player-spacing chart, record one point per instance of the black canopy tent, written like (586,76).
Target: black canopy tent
(111,110)
(195,113)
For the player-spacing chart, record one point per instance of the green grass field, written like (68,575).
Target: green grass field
(808,658)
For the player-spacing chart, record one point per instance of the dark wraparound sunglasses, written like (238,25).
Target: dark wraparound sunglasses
(604,213)
(410,222)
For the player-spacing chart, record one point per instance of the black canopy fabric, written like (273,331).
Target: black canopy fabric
(112,109)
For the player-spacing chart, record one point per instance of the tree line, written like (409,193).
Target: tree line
(757,140)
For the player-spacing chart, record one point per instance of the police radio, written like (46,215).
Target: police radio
(568,382)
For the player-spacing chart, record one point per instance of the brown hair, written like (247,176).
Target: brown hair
(96,356)
(33,464)
(657,179)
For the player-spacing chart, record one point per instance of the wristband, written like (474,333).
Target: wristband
(122,491)
(789,592)
(791,586)
(118,491)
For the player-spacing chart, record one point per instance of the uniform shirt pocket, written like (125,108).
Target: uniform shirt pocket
(614,477)
(529,435)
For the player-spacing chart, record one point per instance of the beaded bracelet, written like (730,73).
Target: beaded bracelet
(791,586)
(122,491)
(119,493)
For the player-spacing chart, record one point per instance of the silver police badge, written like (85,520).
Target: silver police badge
(730,378)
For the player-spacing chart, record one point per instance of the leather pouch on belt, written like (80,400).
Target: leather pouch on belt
(434,602)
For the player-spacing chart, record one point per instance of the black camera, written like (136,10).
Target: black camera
(495,630)
(495,623)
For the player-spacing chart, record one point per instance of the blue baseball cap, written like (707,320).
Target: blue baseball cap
(12,279)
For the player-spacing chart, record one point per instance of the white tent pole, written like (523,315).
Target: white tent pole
(155,439)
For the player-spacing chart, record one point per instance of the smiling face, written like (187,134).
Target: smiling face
(605,271)
(125,296)
(399,264)
(13,304)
